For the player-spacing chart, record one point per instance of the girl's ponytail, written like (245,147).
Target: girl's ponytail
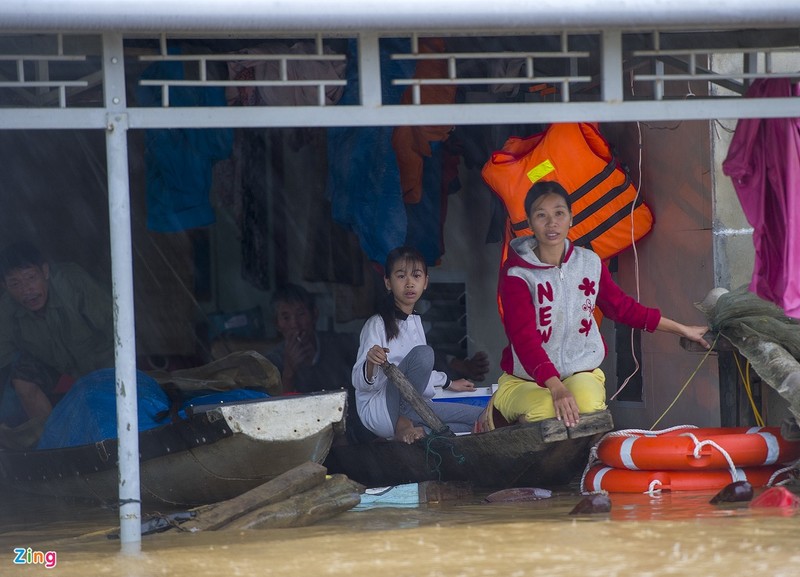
(386,310)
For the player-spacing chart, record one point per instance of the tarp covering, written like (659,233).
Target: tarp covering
(88,412)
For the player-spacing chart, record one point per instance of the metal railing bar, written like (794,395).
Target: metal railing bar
(490,55)
(237,57)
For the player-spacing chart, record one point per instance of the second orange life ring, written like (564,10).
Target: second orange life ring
(602,478)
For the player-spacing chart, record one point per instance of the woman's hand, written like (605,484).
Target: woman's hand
(696,334)
(563,402)
(693,333)
(461,386)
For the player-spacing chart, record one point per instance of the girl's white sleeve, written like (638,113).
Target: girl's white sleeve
(373,333)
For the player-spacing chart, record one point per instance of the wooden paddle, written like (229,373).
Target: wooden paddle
(410,394)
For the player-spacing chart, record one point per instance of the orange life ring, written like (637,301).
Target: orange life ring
(687,449)
(603,478)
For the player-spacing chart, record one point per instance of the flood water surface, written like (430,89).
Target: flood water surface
(671,534)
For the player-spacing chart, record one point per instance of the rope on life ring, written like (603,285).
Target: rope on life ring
(772,480)
(593,458)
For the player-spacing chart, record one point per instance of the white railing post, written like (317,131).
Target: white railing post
(119,214)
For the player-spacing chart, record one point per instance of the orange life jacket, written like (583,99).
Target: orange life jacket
(608,214)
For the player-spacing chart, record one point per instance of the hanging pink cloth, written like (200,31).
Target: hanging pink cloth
(764,163)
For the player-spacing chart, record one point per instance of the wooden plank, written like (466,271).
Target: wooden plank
(336,495)
(589,424)
(294,481)
(729,384)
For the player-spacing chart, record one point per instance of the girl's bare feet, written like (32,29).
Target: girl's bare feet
(406,432)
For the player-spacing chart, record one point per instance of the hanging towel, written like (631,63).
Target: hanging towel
(764,164)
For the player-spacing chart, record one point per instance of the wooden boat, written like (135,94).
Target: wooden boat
(217,453)
(543,454)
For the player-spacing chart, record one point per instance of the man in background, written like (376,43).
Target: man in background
(308,360)
(56,325)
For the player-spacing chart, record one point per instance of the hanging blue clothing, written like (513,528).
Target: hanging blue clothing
(178,161)
(424,230)
(363,176)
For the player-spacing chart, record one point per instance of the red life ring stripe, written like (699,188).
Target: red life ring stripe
(602,478)
(678,450)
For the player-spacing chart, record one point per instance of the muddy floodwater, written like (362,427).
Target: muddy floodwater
(671,534)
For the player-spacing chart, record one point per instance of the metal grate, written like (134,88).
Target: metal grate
(42,71)
(528,62)
(680,64)
(284,61)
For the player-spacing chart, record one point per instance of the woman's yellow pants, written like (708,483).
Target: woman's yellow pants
(516,398)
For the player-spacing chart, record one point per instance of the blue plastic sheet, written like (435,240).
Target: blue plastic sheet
(88,412)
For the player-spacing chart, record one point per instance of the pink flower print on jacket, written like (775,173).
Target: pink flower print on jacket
(588,307)
(586,326)
(587,286)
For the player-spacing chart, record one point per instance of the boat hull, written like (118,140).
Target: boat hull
(216,454)
(544,454)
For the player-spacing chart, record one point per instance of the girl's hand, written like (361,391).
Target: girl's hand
(461,385)
(377,355)
(563,402)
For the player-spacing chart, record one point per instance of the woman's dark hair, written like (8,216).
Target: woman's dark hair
(545,187)
(386,308)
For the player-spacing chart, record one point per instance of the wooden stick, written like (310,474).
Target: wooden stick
(336,495)
(297,480)
(410,394)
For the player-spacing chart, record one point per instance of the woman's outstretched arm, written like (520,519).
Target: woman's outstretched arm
(691,332)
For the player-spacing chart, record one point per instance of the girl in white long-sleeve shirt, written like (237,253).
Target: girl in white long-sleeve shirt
(396,335)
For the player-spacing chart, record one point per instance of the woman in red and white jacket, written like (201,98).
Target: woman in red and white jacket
(548,290)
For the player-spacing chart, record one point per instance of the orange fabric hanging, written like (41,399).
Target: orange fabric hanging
(412,143)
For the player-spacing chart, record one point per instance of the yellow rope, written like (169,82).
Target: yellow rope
(748,388)
(686,384)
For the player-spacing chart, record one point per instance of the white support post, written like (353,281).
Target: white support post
(612,80)
(369,70)
(119,214)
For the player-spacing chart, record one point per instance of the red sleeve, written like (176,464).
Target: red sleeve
(519,321)
(620,307)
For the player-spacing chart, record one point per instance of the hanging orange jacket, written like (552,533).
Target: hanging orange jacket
(608,214)
(412,143)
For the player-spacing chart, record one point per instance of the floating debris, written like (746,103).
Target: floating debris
(776,497)
(600,503)
(519,494)
(734,493)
